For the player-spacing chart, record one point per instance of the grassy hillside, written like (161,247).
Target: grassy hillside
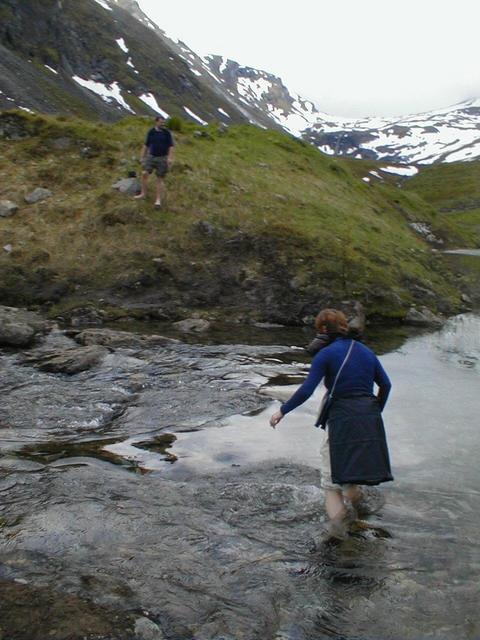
(255,224)
(454,190)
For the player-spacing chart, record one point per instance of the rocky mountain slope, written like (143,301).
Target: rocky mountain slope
(97,58)
(107,59)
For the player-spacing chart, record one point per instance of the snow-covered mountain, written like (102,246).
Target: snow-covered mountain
(444,135)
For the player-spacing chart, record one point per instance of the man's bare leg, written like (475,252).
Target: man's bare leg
(159,188)
(143,191)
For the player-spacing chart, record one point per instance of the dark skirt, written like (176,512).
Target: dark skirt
(358,446)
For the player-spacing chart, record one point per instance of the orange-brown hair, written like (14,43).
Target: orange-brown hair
(331,321)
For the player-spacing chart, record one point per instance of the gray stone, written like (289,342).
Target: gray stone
(7,208)
(62,143)
(18,327)
(422,317)
(69,361)
(423,229)
(37,195)
(145,629)
(358,320)
(8,248)
(129,186)
(87,152)
(189,325)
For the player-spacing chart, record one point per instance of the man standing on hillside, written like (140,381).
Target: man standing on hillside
(157,153)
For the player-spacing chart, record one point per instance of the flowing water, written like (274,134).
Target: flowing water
(153,484)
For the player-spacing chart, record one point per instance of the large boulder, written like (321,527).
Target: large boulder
(7,208)
(129,186)
(37,195)
(18,327)
(118,339)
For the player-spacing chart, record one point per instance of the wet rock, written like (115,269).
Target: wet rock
(18,327)
(69,361)
(422,317)
(12,465)
(118,339)
(37,195)
(7,208)
(192,325)
(145,629)
(6,484)
(129,186)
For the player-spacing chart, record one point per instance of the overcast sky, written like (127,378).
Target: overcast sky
(351,57)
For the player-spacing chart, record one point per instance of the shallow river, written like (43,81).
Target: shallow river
(154,486)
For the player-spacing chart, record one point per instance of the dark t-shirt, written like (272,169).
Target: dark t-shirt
(159,141)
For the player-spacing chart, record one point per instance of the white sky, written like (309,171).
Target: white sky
(351,57)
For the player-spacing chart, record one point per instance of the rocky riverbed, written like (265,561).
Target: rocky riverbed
(142,495)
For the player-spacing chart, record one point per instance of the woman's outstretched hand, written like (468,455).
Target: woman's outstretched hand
(275,419)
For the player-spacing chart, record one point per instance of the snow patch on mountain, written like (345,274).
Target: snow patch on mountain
(194,116)
(108,93)
(103,4)
(122,45)
(150,100)
(401,171)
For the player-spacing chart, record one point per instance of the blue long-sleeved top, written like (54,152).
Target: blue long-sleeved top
(361,370)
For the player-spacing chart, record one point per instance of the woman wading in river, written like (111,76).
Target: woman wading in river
(355,449)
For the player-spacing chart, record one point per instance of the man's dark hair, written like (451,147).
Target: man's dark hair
(157,118)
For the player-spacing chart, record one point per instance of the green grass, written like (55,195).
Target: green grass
(454,191)
(279,209)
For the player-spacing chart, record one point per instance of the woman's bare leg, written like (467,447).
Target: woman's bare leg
(354,494)
(334,504)
(336,512)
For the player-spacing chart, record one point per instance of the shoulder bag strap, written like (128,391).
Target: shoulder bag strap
(340,370)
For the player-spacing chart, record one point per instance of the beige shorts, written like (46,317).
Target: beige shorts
(326,469)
